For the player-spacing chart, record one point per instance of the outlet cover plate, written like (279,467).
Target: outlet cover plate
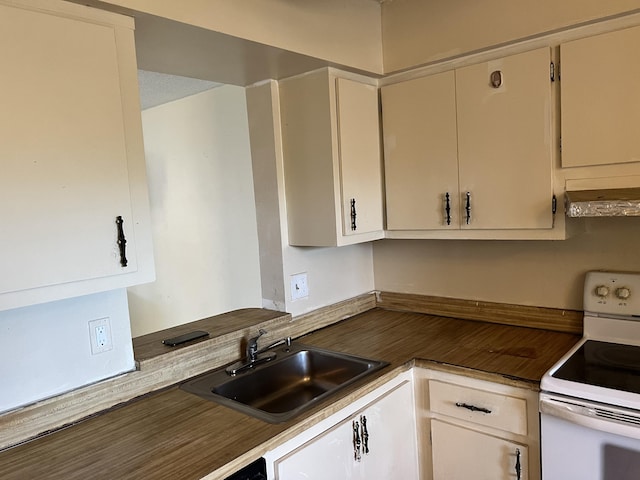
(100,335)
(299,286)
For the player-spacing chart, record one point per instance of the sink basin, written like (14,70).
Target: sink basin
(275,392)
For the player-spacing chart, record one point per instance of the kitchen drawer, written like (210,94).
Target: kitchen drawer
(482,407)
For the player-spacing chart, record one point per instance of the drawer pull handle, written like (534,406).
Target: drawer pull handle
(365,434)
(518,465)
(473,408)
(356,441)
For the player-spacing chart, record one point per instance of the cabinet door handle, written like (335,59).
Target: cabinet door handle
(473,408)
(365,434)
(353,214)
(447,208)
(467,207)
(122,242)
(518,465)
(356,441)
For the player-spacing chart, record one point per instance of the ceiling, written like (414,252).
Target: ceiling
(159,88)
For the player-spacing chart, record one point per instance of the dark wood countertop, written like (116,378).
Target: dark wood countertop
(173,435)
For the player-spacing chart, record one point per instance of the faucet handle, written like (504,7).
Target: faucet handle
(252,345)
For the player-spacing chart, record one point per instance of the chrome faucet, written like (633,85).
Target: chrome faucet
(255,356)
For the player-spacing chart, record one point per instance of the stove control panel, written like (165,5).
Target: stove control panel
(616,293)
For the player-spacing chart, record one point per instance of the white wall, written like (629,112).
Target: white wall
(333,274)
(45,349)
(202,209)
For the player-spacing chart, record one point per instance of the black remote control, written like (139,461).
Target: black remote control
(187,337)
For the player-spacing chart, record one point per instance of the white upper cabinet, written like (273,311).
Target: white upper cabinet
(600,99)
(71,154)
(332,163)
(471,149)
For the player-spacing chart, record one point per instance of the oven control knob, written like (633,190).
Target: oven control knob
(602,291)
(623,293)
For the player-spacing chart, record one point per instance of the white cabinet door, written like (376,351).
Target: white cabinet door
(504,142)
(421,153)
(65,153)
(600,99)
(392,444)
(460,454)
(359,151)
(332,455)
(389,451)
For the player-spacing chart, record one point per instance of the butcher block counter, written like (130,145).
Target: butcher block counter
(171,434)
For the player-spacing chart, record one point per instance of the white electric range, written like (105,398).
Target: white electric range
(590,400)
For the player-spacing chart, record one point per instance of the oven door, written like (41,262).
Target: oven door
(588,441)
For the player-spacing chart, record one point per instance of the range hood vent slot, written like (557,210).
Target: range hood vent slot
(618,202)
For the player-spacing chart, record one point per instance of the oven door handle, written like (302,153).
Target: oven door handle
(592,417)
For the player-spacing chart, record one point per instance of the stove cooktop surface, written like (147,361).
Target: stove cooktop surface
(603,364)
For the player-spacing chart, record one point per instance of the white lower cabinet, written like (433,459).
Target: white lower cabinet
(374,438)
(478,429)
(424,424)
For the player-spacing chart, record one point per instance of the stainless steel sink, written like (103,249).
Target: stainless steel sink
(275,392)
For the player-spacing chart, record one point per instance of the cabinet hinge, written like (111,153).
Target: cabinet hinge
(552,71)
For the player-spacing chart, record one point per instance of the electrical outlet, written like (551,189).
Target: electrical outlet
(100,335)
(299,287)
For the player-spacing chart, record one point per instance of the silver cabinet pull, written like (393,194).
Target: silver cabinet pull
(365,434)
(356,440)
